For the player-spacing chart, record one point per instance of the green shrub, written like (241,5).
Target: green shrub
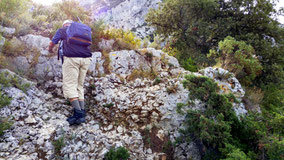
(157,80)
(275,149)
(238,58)
(123,39)
(98,28)
(4,125)
(47,19)
(8,80)
(157,42)
(58,145)
(117,154)
(189,65)
(217,125)
(4,100)
(15,13)
(108,105)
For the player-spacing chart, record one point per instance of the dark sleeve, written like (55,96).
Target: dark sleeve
(58,36)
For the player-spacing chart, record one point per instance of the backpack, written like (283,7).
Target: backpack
(79,34)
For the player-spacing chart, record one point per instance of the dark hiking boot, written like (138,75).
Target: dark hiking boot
(81,117)
(71,117)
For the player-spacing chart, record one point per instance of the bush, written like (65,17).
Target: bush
(117,154)
(4,100)
(7,80)
(47,19)
(4,125)
(124,39)
(58,144)
(238,57)
(217,126)
(275,149)
(15,13)
(98,28)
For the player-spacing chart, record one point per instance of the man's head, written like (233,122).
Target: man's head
(67,23)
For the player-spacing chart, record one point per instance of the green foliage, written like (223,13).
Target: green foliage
(200,87)
(58,144)
(123,39)
(157,42)
(4,125)
(196,26)
(170,51)
(273,99)
(108,105)
(189,65)
(217,126)
(8,80)
(47,19)
(233,153)
(238,57)
(157,81)
(275,149)
(15,13)
(267,133)
(119,153)
(98,28)
(4,100)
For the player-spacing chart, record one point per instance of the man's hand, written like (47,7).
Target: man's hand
(50,47)
(49,50)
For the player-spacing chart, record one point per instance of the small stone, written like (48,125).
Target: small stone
(149,150)
(119,129)
(134,117)
(30,120)
(109,127)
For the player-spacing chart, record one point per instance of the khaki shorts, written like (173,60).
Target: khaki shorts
(74,72)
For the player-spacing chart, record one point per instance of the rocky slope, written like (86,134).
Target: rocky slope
(126,14)
(124,109)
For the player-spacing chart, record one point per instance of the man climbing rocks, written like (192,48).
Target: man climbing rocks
(76,61)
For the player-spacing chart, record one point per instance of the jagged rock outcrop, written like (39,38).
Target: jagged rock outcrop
(123,14)
(40,64)
(123,102)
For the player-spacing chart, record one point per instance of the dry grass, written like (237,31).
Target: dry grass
(139,73)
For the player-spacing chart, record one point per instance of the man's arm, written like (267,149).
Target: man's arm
(56,38)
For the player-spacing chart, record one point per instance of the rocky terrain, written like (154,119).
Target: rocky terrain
(126,14)
(127,105)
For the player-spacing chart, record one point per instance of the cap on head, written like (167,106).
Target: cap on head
(67,21)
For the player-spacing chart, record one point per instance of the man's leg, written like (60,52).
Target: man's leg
(70,71)
(75,103)
(85,62)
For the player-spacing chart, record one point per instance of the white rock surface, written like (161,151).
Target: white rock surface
(7,32)
(40,116)
(126,14)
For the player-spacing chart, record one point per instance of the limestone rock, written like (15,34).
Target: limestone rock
(39,42)
(124,14)
(7,32)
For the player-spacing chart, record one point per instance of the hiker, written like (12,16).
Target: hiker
(76,61)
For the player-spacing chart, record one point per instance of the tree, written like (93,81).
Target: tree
(196,26)
(239,58)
